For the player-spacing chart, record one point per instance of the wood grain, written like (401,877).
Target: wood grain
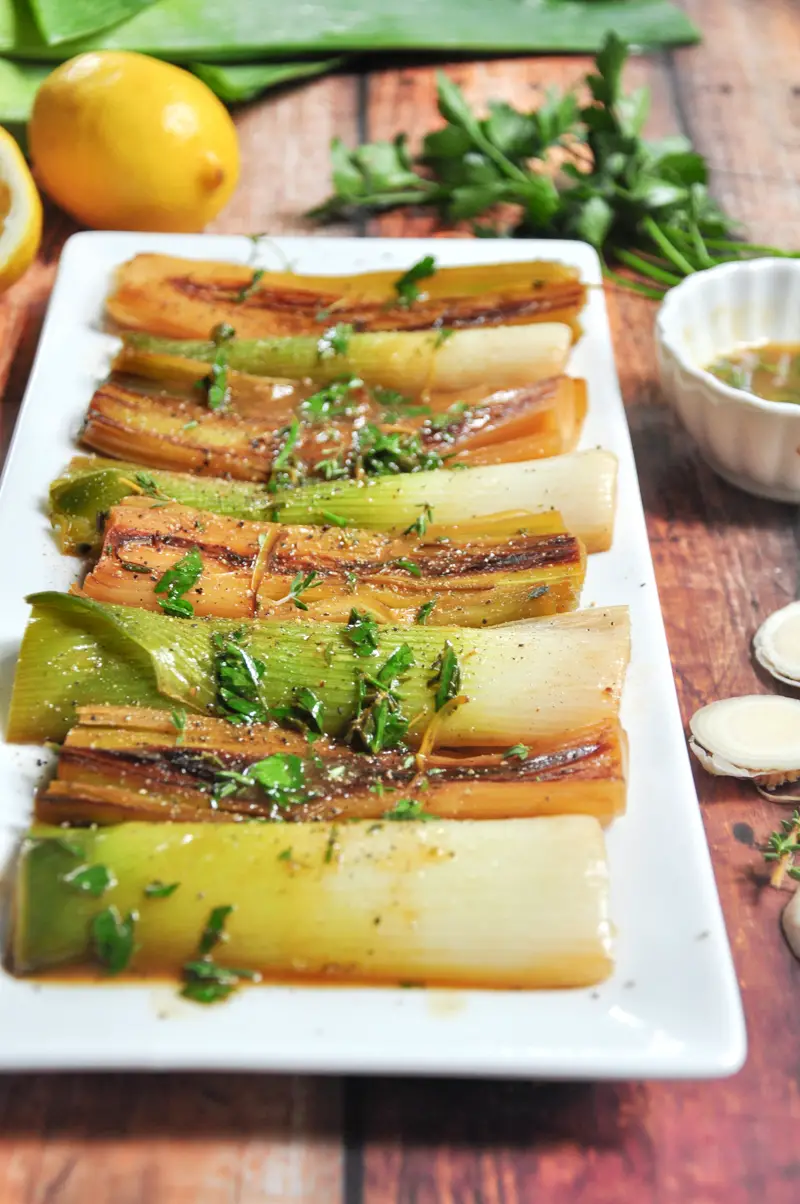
(723,561)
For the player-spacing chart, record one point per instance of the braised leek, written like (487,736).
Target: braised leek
(513,903)
(247,568)
(580,486)
(121,764)
(283,433)
(499,357)
(186,298)
(531,680)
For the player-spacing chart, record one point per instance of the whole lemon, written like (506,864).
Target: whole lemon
(123,141)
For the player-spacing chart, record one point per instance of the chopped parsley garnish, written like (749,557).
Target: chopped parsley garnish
(92,880)
(178,717)
(238,675)
(363,633)
(454,415)
(538,591)
(351,581)
(160,890)
(250,288)
(334,401)
(301,583)
(442,336)
(334,341)
(206,982)
(285,854)
(147,484)
(385,453)
(420,523)
(177,581)
(215,384)
(281,777)
(331,469)
(398,407)
(407,808)
(214,931)
(379,722)
(447,676)
(424,611)
(406,285)
(336,520)
(130,567)
(283,458)
(308,707)
(112,938)
(402,562)
(516,750)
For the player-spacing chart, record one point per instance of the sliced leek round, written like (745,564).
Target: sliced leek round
(756,736)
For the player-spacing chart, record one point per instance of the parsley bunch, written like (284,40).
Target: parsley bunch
(644,205)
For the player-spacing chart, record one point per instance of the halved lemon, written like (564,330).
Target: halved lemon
(20,213)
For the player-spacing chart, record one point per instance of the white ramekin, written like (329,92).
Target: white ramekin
(752,443)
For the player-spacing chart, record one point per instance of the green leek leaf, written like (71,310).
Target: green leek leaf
(62,20)
(187,30)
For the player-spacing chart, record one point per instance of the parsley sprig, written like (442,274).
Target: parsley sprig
(176,582)
(643,204)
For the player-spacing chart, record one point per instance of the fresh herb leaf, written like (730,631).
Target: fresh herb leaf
(251,287)
(206,982)
(160,890)
(147,485)
(406,285)
(215,384)
(442,335)
(351,581)
(402,562)
(516,750)
(177,581)
(238,676)
(363,633)
(300,585)
(309,708)
(336,520)
(334,401)
(92,880)
(384,453)
(642,203)
(178,717)
(280,776)
(334,341)
(420,523)
(424,611)
(379,722)
(214,931)
(285,854)
(446,677)
(407,808)
(332,845)
(292,433)
(113,938)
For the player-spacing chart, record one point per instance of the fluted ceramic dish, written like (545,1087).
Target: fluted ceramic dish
(752,443)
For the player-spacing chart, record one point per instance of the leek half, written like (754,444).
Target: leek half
(513,903)
(186,298)
(523,681)
(474,580)
(581,486)
(500,357)
(129,763)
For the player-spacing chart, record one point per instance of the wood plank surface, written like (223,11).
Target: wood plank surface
(723,560)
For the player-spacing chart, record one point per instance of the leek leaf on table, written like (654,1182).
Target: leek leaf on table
(186,30)
(63,20)
(235,83)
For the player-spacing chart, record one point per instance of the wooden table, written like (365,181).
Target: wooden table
(724,561)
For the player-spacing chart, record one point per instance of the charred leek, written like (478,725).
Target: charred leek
(247,569)
(128,763)
(186,298)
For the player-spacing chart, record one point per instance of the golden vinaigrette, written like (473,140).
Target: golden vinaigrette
(770,371)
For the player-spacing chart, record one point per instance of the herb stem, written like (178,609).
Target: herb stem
(672,253)
(623,282)
(647,269)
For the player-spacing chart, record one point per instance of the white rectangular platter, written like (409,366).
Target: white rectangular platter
(672,1007)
